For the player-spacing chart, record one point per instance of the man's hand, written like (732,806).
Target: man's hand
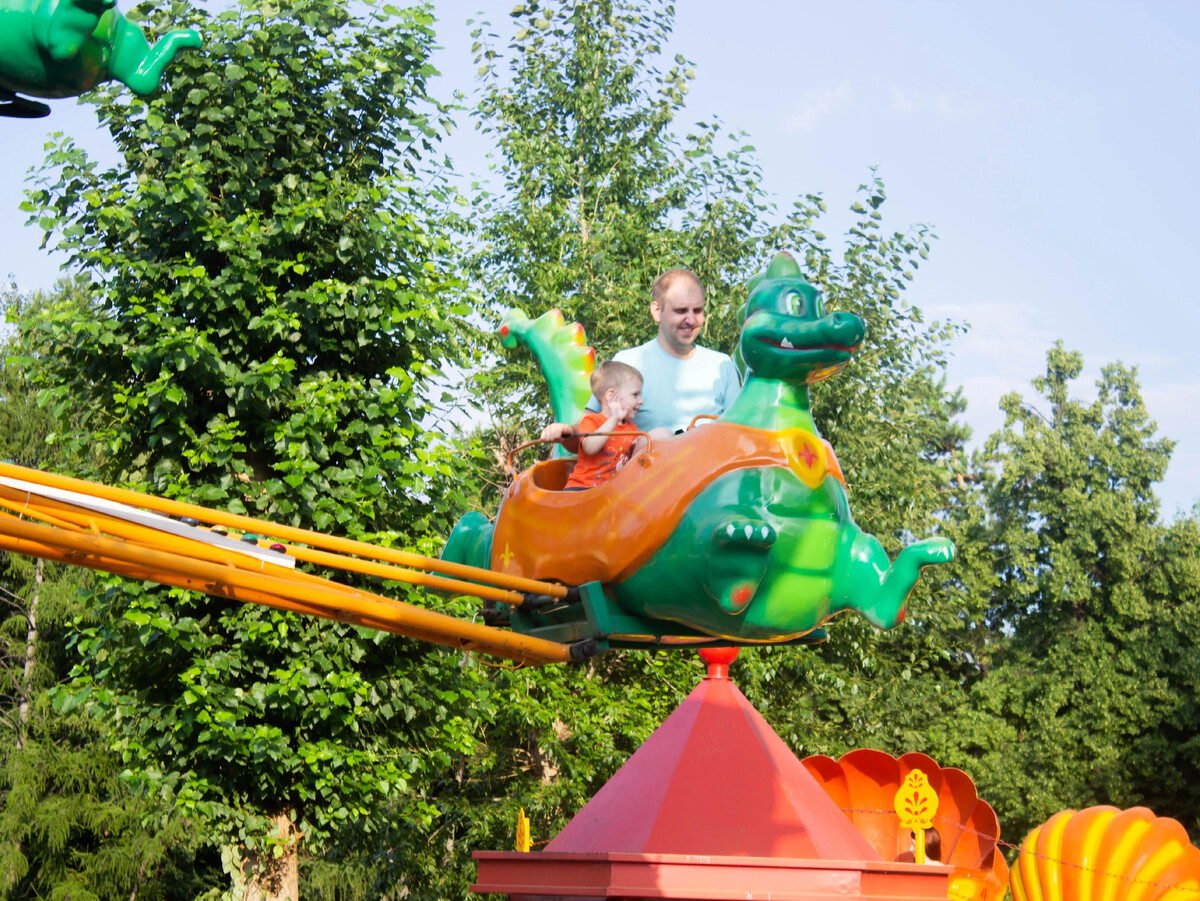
(556,431)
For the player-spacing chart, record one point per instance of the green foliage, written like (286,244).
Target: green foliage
(1091,604)
(271,304)
(274,294)
(69,827)
(600,194)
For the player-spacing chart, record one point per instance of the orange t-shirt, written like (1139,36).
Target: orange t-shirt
(592,470)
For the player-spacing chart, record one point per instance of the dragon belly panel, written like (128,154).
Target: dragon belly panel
(604,534)
(753,558)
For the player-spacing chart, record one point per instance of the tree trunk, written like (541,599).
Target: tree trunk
(271,878)
(39,574)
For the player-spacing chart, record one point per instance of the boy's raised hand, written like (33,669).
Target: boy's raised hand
(619,411)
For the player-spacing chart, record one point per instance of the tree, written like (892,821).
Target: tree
(270,306)
(600,194)
(1092,604)
(69,826)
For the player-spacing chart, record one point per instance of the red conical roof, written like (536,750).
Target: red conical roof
(715,807)
(714,779)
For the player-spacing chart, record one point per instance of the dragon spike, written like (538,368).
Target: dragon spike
(581,358)
(554,317)
(784,265)
(574,334)
(511,326)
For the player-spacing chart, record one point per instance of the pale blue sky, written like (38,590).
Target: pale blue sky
(1051,146)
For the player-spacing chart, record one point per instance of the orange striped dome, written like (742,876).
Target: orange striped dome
(1106,854)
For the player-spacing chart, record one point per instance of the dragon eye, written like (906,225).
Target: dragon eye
(794,302)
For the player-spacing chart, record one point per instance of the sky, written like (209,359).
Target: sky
(1050,146)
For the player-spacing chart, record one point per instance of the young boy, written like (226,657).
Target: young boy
(618,388)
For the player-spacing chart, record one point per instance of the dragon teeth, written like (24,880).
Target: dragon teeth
(786,343)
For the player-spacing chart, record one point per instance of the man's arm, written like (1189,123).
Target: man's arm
(731,385)
(563,433)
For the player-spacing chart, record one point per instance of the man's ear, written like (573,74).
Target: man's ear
(656,311)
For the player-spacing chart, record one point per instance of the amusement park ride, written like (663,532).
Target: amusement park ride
(746,518)
(746,515)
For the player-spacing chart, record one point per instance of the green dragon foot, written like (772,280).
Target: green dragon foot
(738,561)
(886,608)
(138,64)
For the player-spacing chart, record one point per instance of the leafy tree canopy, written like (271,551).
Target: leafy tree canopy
(271,300)
(1091,604)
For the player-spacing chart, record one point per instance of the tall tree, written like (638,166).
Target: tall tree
(600,194)
(271,304)
(1092,603)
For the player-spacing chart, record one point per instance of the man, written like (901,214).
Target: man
(681,379)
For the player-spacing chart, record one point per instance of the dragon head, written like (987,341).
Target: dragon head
(786,333)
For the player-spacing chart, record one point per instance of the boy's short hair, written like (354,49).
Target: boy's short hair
(611,374)
(668,278)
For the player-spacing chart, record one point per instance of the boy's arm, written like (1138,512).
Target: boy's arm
(593,444)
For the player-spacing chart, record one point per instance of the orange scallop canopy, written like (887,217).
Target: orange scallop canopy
(863,783)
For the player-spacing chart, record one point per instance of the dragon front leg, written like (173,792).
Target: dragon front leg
(739,553)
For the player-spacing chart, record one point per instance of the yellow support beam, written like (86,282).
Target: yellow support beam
(277,530)
(277,587)
(83,528)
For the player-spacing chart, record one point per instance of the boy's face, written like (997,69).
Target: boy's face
(625,399)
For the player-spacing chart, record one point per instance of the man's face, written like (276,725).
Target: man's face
(680,317)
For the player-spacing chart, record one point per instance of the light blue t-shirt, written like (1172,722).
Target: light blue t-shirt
(674,390)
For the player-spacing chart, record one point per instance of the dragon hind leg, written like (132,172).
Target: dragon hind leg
(138,64)
(880,591)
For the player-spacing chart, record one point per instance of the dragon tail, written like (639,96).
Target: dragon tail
(562,353)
